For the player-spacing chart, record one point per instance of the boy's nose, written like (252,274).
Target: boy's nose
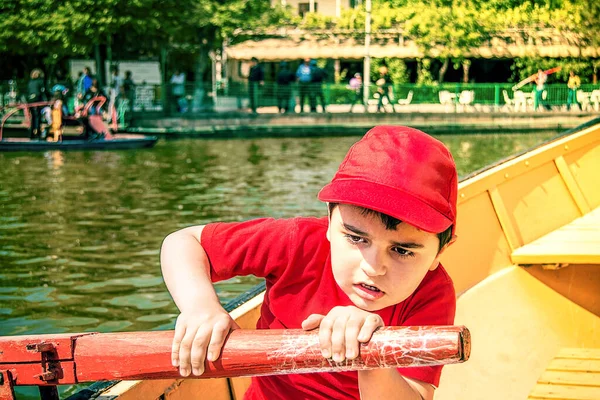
(373,265)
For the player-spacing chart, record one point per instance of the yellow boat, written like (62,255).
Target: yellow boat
(527,271)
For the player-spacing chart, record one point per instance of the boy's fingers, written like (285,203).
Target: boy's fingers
(325,336)
(312,321)
(185,349)
(338,339)
(372,322)
(198,350)
(217,338)
(177,337)
(353,327)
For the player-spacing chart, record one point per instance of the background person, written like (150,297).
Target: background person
(116,86)
(540,86)
(304,78)
(356,85)
(83,85)
(129,96)
(178,90)
(573,85)
(256,78)
(36,92)
(318,76)
(285,78)
(384,89)
(93,92)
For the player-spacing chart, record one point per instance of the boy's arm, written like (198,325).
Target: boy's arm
(203,324)
(186,270)
(389,384)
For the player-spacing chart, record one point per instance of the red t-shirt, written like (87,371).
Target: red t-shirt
(293,255)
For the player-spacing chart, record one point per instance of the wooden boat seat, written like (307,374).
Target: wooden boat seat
(575,243)
(573,374)
(517,326)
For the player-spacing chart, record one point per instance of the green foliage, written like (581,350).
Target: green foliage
(451,28)
(424,76)
(73,27)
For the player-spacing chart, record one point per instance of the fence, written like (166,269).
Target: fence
(192,98)
(236,96)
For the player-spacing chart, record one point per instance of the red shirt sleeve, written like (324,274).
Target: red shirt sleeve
(258,247)
(433,303)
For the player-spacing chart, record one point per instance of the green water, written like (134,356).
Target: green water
(80,232)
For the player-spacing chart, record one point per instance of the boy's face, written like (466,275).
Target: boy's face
(374,266)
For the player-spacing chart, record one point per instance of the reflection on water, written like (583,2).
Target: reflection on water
(80,232)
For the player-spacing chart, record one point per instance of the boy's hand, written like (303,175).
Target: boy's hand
(342,329)
(198,337)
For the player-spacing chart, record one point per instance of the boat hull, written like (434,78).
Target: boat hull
(120,142)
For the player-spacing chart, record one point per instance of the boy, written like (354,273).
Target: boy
(372,262)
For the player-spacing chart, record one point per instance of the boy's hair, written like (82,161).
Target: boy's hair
(391,223)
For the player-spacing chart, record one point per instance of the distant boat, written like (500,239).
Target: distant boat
(86,131)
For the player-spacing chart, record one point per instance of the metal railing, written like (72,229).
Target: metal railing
(191,98)
(236,96)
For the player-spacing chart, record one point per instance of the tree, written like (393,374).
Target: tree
(55,30)
(204,25)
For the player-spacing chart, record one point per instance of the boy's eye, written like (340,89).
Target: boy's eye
(403,252)
(354,238)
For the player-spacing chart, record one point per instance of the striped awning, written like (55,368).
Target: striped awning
(279,49)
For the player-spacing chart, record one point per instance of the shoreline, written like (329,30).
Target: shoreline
(244,125)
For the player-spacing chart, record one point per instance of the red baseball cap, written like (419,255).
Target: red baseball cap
(401,172)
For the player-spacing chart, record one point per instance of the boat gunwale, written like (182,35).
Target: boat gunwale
(502,161)
(510,167)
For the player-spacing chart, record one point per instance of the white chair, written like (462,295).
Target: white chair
(407,100)
(508,102)
(583,98)
(445,97)
(523,100)
(466,98)
(595,98)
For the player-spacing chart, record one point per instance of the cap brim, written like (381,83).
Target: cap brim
(393,202)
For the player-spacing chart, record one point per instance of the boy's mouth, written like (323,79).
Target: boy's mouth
(368,292)
(370,287)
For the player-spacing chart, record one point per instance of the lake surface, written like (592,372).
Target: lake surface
(80,232)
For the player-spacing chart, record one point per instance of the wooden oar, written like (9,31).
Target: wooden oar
(532,78)
(68,359)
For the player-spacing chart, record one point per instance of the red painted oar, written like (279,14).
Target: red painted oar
(531,78)
(68,359)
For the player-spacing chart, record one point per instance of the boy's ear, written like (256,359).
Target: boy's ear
(436,260)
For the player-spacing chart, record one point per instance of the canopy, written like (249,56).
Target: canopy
(301,45)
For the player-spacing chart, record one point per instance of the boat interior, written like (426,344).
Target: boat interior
(526,268)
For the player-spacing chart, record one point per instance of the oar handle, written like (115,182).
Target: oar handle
(269,352)
(87,357)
